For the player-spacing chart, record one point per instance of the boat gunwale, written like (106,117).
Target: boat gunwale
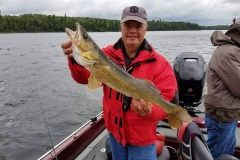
(95,125)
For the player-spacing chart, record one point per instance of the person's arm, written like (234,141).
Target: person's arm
(229,72)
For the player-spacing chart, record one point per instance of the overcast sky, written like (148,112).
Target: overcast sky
(202,12)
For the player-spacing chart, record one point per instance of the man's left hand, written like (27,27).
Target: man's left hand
(141,107)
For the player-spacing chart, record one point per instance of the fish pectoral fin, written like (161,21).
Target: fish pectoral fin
(178,116)
(151,84)
(93,83)
(80,59)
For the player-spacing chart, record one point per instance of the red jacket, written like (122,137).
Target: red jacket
(129,127)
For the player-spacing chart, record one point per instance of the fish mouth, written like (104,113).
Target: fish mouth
(70,32)
(73,34)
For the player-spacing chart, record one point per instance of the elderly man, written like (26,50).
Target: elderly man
(132,123)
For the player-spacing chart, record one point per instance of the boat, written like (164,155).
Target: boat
(90,141)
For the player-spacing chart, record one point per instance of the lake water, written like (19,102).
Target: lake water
(35,82)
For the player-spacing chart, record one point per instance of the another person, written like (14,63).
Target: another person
(132,123)
(222,101)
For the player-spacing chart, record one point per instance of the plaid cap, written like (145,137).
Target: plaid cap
(134,13)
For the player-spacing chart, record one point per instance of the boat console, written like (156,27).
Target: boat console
(190,72)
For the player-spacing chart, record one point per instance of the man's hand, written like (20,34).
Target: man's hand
(67,49)
(141,107)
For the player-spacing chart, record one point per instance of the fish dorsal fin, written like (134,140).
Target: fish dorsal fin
(151,84)
(93,83)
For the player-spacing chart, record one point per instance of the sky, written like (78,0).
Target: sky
(202,12)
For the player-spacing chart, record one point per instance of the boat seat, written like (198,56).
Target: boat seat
(199,150)
(165,155)
(227,157)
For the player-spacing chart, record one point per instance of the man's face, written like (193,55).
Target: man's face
(133,33)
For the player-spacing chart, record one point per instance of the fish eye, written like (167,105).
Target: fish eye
(85,36)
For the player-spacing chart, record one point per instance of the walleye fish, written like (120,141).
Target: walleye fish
(104,70)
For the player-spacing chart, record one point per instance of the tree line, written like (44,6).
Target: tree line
(51,23)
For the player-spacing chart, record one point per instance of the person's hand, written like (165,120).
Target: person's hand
(141,107)
(67,49)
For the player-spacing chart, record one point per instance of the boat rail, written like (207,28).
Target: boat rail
(77,141)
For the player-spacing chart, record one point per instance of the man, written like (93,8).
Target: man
(132,123)
(222,102)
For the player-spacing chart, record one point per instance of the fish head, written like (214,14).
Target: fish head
(81,40)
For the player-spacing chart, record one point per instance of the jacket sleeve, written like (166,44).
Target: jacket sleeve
(79,73)
(229,72)
(166,82)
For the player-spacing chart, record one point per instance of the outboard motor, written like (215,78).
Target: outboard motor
(190,72)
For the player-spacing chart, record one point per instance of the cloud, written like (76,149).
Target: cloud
(204,12)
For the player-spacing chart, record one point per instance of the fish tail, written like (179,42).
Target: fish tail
(178,116)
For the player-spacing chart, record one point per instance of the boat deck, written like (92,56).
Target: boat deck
(97,151)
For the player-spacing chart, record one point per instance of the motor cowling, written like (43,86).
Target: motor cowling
(190,72)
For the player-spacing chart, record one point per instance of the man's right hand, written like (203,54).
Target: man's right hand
(67,49)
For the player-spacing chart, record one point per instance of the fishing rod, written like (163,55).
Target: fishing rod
(55,155)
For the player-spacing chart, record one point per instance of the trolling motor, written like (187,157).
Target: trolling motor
(190,72)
